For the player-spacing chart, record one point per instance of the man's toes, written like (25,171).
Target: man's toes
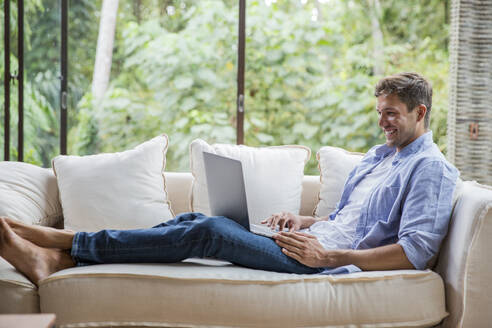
(2,225)
(1,236)
(5,232)
(12,223)
(6,238)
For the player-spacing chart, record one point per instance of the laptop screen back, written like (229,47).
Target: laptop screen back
(226,191)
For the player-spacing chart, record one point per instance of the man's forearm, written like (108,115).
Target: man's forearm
(389,257)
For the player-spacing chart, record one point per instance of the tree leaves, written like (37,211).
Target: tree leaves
(307,81)
(183,82)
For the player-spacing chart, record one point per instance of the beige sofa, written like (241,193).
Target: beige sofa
(196,293)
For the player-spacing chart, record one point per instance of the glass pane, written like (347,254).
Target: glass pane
(41,81)
(311,67)
(173,71)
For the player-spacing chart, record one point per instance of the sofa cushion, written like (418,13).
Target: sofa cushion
(123,190)
(334,165)
(17,293)
(29,193)
(201,293)
(272,177)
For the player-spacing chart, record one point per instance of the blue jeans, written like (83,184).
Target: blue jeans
(187,235)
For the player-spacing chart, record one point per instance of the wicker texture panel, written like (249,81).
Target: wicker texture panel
(470,112)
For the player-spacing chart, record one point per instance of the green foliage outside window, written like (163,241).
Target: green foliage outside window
(310,73)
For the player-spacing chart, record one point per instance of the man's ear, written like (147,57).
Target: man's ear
(421,110)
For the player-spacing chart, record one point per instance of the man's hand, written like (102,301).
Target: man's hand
(306,249)
(289,220)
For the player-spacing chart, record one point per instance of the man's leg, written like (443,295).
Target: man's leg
(59,238)
(188,235)
(42,236)
(48,237)
(39,251)
(35,262)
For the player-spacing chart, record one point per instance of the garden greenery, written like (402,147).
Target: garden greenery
(310,73)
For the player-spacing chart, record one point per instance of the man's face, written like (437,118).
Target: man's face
(399,126)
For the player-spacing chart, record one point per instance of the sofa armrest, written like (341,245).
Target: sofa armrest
(464,261)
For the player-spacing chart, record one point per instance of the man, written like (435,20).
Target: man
(393,214)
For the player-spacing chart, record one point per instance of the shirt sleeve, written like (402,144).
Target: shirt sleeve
(426,211)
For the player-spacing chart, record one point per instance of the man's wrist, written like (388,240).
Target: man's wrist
(346,257)
(338,257)
(313,219)
(307,221)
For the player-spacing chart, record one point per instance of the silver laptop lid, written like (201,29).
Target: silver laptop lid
(226,191)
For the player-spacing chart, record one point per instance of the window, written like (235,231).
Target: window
(310,69)
(173,70)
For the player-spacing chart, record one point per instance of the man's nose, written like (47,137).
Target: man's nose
(382,120)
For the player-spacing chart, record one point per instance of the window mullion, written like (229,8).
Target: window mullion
(240,73)
(6,80)
(20,80)
(64,77)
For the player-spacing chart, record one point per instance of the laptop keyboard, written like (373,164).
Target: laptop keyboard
(264,230)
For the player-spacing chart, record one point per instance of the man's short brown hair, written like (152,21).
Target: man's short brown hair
(412,89)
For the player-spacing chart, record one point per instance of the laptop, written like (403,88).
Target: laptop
(227,192)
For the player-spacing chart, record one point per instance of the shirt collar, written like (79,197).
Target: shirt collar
(422,141)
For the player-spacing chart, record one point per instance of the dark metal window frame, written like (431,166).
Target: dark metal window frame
(8,77)
(241,47)
(64,77)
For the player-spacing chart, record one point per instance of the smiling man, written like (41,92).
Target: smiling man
(396,204)
(393,214)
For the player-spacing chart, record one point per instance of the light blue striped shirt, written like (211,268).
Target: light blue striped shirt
(411,205)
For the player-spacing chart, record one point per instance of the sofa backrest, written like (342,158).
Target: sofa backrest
(179,189)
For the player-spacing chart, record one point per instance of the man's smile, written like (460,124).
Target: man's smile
(389,132)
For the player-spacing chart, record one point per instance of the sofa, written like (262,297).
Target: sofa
(211,293)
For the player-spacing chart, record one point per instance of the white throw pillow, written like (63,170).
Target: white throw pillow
(335,164)
(123,190)
(29,193)
(273,177)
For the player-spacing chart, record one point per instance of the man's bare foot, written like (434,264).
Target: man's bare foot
(42,236)
(33,261)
